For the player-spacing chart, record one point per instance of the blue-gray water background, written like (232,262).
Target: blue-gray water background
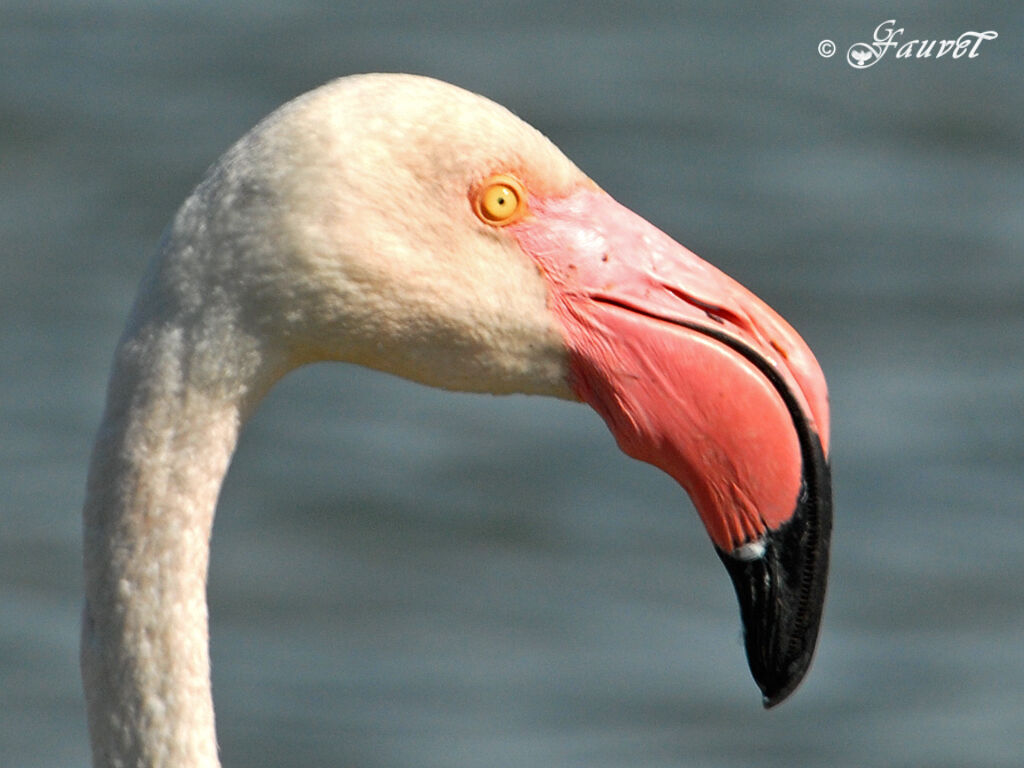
(406,577)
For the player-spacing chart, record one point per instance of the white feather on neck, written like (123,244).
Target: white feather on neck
(337,229)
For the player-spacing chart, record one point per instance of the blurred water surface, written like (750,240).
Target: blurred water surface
(405,577)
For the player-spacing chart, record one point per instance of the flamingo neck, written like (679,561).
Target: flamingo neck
(177,397)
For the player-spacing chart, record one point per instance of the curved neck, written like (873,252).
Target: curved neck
(174,409)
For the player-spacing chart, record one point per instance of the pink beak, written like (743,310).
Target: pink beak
(696,375)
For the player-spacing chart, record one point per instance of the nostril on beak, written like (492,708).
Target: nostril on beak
(779,348)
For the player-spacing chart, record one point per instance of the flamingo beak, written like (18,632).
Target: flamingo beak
(696,375)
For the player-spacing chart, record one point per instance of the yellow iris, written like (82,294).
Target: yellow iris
(500,200)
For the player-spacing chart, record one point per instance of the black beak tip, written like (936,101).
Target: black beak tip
(777,688)
(780,584)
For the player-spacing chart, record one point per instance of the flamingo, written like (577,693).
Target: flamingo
(404,224)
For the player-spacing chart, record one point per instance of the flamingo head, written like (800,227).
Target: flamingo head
(408,225)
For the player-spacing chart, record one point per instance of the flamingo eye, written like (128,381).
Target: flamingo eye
(500,200)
